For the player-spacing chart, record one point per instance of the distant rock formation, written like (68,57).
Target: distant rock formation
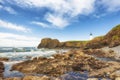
(54,43)
(49,43)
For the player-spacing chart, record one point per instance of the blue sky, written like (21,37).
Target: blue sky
(26,22)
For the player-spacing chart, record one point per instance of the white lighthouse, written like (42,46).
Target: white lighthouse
(91,36)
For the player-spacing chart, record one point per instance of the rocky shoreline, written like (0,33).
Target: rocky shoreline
(60,66)
(76,64)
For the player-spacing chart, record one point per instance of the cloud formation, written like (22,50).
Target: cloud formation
(40,24)
(60,9)
(62,12)
(10,39)
(8,9)
(8,25)
(111,5)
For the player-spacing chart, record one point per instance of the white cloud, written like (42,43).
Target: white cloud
(54,22)
(111,5)
(40,24)
(9,39)
(58,21)
(12,26)
(0,7)
(60,8)
(8,9)
(1,1)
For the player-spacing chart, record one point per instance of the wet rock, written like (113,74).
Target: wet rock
(100,53)
(30,77)
(115,74)
(118,78)
(92,79)
(73,60)
(106,71)
(14,78)
(74,76)
(4,59)
(1,69)
(36,78)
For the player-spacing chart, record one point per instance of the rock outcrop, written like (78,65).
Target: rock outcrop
(54,43)
(49,43)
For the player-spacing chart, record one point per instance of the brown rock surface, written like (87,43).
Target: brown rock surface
(4,59)
(49,43)
(36,78)
(54,43)
(100,53)
(30,78)
(112,66)
(1,69)
(74,60)
(14,78)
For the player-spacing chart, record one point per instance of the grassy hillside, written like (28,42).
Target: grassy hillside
(111,39)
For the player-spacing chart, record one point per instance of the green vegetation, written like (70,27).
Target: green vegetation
(78,41)
(115,37)
(117,27)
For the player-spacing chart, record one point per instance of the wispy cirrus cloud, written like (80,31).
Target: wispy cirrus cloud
(111,5)
(15,40)
(8,9)
(62,12)
(12,26)
(60,9)
(44,25)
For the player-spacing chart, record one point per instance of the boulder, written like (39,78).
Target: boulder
(49,43)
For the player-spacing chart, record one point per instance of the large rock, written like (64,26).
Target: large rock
(49,43)
(54,43)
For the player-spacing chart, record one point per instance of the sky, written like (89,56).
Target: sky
(23,23)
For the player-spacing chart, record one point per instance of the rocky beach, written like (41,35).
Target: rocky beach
(97,59)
